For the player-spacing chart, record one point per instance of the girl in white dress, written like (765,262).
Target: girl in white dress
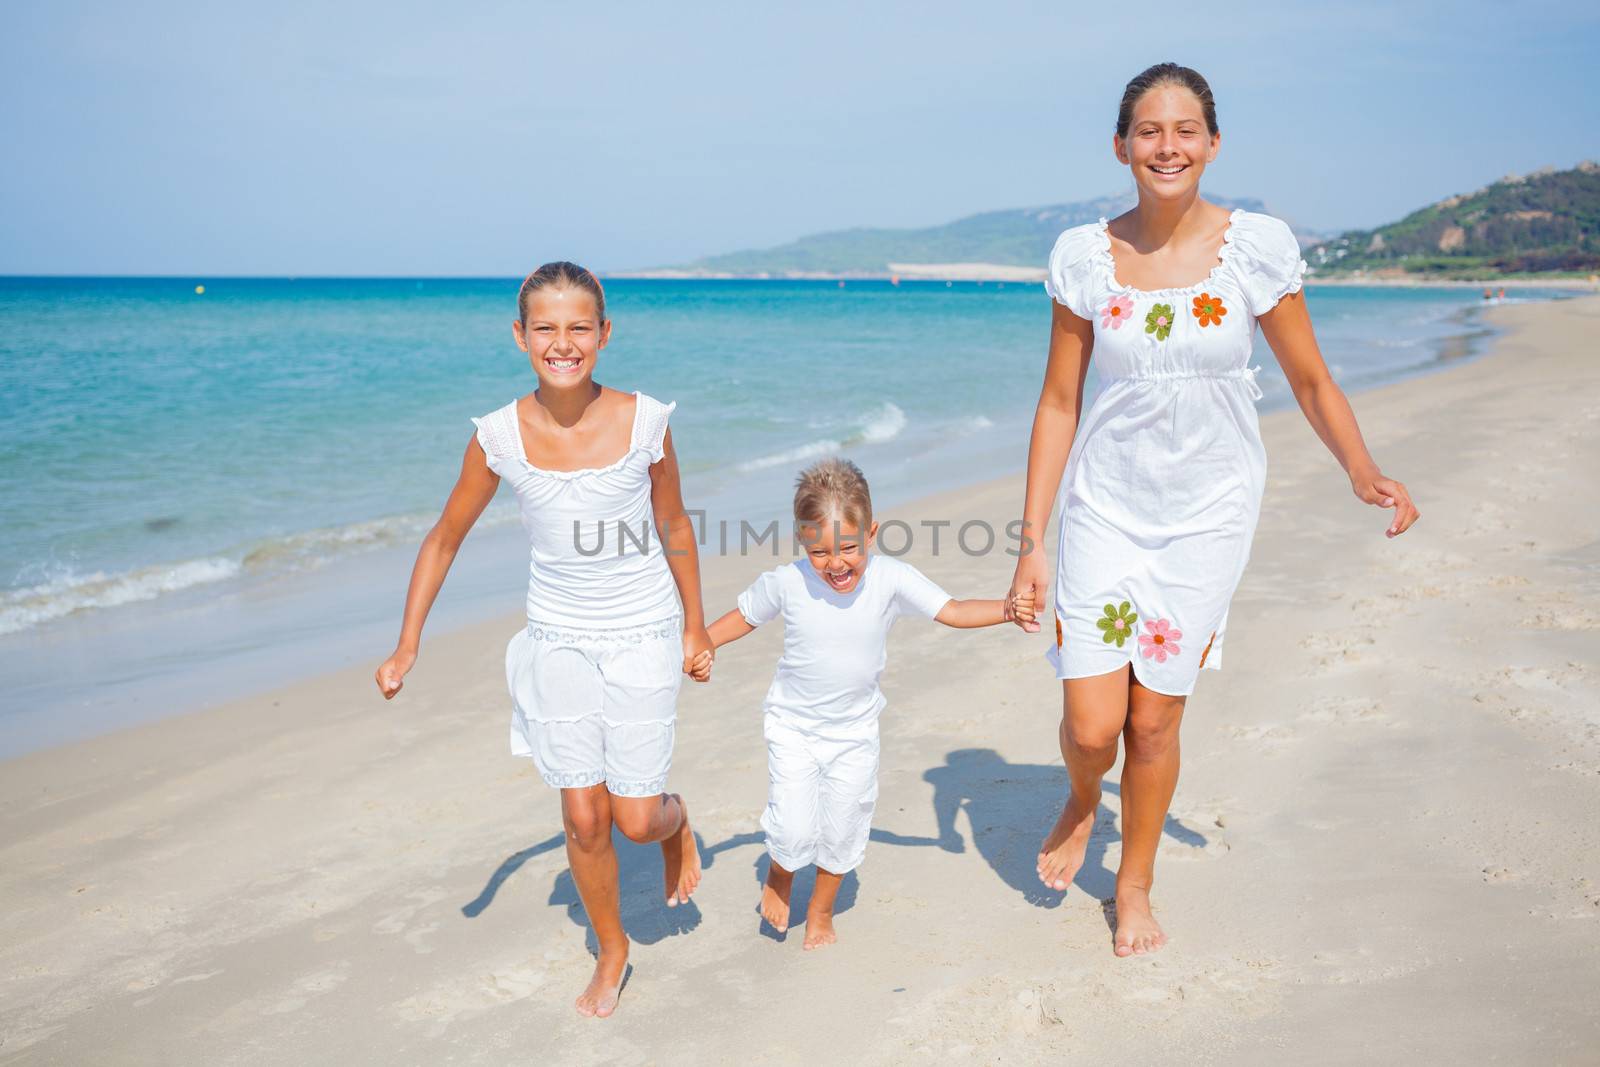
(1164,473)
(614,611)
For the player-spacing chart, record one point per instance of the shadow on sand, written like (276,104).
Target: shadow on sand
(1009,808)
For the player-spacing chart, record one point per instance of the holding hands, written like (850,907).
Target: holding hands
(1021,607)
(698,654)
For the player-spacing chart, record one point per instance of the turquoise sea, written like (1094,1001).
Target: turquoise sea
(205,494)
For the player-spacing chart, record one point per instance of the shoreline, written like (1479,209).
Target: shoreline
(1387,766)
(244,660)
(250,635)
(1002,273)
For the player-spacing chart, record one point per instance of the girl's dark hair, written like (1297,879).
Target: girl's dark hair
(1166,74)
(561,275)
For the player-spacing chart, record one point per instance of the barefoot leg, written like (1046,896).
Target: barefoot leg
(663,818)
(680,859)
(819,913)
(775,896)
(586,814)
(1149,776)
(1093,713)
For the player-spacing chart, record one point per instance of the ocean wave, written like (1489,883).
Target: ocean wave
(882,425)
(22,609)
(67,592)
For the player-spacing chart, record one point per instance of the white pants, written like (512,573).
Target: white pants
(821,797)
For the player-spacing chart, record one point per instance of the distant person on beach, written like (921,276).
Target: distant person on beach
(1164,472)
(821,712)
(612,625)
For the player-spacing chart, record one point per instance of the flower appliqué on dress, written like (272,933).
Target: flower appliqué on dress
(1209,310)
(1159,640)
(1118,624)
(1118,310)
(1159,321)
(1207,652)
(1059,636)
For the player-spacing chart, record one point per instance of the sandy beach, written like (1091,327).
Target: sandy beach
(1382,849)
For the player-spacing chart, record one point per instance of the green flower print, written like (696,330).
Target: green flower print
(1118,624)
(1159,322)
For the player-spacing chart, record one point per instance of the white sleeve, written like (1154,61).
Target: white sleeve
(917,594)
(1071,278)
(763,601)
(1270,265)
(494,434)
(653,426)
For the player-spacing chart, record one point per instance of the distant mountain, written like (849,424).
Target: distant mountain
(1020,238)
(1546,221)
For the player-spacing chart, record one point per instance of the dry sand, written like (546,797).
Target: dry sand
(1383,846)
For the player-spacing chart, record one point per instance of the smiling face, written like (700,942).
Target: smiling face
(837,549)
(1168,143)
(562,332)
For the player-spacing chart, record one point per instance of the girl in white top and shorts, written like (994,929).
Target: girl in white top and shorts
(821,713)
(614,612)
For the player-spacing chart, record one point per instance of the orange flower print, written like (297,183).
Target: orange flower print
(1058,631)
(1209,310)
(1207,652)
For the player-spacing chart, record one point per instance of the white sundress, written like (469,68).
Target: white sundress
(595,673)
(1163,485)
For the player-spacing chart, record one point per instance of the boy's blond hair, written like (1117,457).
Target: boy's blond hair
(834,486)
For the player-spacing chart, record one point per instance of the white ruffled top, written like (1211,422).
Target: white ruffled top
(595,556)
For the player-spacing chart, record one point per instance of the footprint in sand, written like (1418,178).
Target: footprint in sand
(443,1006)
(1347,711)
(307,987)
(398,920)
(1267,735)
(1209,846)
(1336,649)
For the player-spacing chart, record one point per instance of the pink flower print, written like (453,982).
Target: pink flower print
(1159,640)
(1116,312)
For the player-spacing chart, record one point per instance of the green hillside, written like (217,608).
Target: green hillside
(1546,221)
(1022,237)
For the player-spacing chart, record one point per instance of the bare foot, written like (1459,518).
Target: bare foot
(1062,852)
(681,860)
(1137,929)
(600,998)
(775,897)
(819,930)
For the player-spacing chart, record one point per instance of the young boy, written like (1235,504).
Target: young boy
(821,712)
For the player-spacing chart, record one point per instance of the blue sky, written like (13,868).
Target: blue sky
(218,138)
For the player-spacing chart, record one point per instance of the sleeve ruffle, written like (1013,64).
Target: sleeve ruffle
(1267,261)
(1075,265)
(494,437)
(653,426)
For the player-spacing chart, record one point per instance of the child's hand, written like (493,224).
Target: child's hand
(393,670)
(698,654)
(1031,579)
(1021,608)
(700,669)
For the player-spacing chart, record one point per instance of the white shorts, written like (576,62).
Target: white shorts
(594,706)
(822,795)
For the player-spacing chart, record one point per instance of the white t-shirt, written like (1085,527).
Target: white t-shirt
(835,644)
